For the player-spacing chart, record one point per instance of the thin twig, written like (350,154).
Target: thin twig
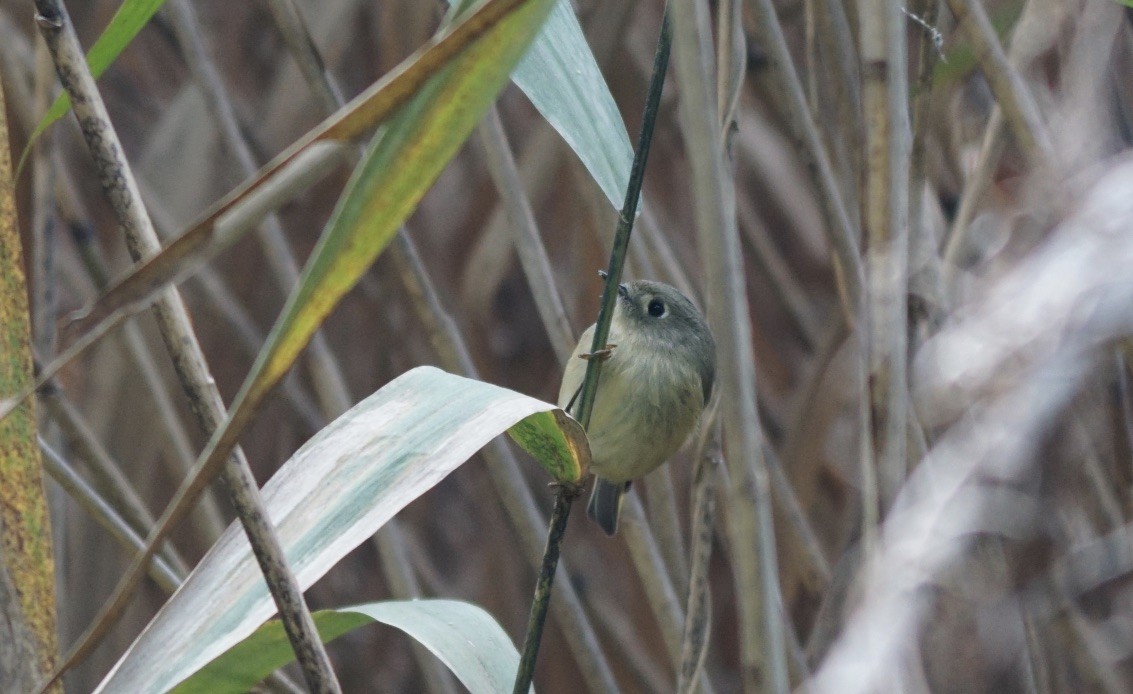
(664,521)
(110,482)
(503,468)
(925,275)
(539,604)
(328,375)
(785,284)
(625,224)
(328,379)
(72,214)
(525,234)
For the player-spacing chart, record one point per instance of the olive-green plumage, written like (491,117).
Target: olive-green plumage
(651,390)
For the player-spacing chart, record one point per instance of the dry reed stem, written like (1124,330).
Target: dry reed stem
(327,371)
(750,524)
(885,104)
(1020,110)
(698,615)
(841,231)
(968,483)
(525,235)
(209,522)
(168,577)
(173,321)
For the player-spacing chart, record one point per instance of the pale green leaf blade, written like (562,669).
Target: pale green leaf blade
(562,79)
(465,637)
(332,495)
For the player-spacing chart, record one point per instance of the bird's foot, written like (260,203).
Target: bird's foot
(601,354)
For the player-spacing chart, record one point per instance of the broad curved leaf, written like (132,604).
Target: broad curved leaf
(465,637)
(399,167)
(562,79)
(333,494)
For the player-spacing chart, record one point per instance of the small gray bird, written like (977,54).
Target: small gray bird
(654,384)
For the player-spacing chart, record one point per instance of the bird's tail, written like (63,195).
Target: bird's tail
(605,503)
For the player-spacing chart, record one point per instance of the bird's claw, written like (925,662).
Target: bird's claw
(602,354)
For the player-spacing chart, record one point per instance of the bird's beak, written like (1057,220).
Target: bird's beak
(623,291)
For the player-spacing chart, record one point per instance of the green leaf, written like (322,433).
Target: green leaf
(131,16)
(548,437)
(249,662)
(331,496)
(401,164)
(562,79)
(465,637)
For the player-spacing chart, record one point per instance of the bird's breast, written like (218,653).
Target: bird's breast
(647,403)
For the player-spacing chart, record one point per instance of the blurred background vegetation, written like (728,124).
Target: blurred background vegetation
(1023,605)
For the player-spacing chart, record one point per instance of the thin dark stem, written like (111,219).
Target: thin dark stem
(566,494)
(538,617)
(625,222)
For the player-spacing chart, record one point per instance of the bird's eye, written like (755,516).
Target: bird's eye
(656,308)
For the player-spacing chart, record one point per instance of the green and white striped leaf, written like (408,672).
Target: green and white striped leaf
(332,495)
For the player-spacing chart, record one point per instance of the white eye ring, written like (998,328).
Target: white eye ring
(657,308)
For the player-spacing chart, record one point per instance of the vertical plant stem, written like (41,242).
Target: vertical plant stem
(538,616)
(841,231)
(503,467)
(44,215)
(926,280)
(698,615)
(329,381)
(884,95)
(625,222)
(173,321)
(532,255)
(750,523)
(664,520)
(602,328)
